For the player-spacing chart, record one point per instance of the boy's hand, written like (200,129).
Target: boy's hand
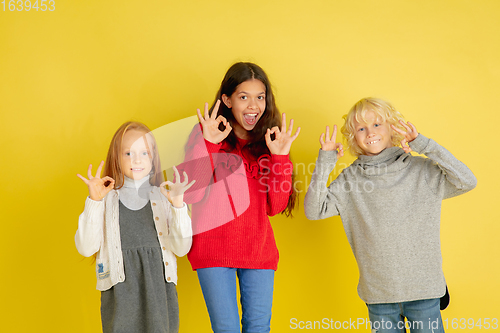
(177,189)
(98,187)
(409,135)
(330,143)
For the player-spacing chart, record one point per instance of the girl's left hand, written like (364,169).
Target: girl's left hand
(283,138)
(176,193)
(409,135)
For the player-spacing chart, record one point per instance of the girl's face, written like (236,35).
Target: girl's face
(248,103)
(373,136)
(135,157)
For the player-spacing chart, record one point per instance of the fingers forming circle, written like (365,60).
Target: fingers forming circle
(221,119)
(110,180)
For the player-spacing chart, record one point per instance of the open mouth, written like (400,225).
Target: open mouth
(250,118)
(373,142)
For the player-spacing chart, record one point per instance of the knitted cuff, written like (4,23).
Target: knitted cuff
(93,209)
(329,156)
(281,165)
(212,147)
(419,144)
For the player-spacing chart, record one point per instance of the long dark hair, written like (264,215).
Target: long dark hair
(256,146)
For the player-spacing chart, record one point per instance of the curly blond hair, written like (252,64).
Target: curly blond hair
(384,111)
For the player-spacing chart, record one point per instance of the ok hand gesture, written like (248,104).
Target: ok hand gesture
(98,187)
(409,135)
(330,143)
(211,123)
(282,138)
(177,189)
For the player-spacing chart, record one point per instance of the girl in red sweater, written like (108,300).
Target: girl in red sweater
(239,157)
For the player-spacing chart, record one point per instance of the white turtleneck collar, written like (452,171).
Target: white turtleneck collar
(134,194)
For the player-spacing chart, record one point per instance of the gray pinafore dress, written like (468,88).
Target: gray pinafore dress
(144,302)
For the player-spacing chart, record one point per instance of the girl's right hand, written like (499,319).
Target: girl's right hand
(211,123)
(98,187)
(176,193)
(330,143)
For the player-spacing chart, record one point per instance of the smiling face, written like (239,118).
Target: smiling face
(135,156)
(374,135)
(247,103)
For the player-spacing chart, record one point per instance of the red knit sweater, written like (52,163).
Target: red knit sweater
(231,200)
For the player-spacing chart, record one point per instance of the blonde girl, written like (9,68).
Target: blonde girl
(134,226)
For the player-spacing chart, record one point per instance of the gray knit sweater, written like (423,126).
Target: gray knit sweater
(390,206)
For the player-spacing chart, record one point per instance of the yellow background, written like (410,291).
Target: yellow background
(70,77)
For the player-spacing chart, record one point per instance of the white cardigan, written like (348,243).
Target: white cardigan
(99,231)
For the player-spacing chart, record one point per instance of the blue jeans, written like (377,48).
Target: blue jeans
(422,316)
(219,290)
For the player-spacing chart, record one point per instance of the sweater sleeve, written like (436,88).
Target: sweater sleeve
(88,237)
(280,184)
(445,173)
(321,201)
(180,232)
(198,164)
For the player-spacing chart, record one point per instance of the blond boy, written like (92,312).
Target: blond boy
(390,205)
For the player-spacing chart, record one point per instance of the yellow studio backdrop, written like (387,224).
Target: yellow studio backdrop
(70,76)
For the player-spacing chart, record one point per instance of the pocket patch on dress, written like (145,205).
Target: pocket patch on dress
(102,270)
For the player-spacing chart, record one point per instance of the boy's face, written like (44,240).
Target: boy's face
(374,135)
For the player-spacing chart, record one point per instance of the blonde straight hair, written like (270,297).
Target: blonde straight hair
(113,167)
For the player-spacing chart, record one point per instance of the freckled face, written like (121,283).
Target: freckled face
(135,157)
(373,136)
(247,103)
